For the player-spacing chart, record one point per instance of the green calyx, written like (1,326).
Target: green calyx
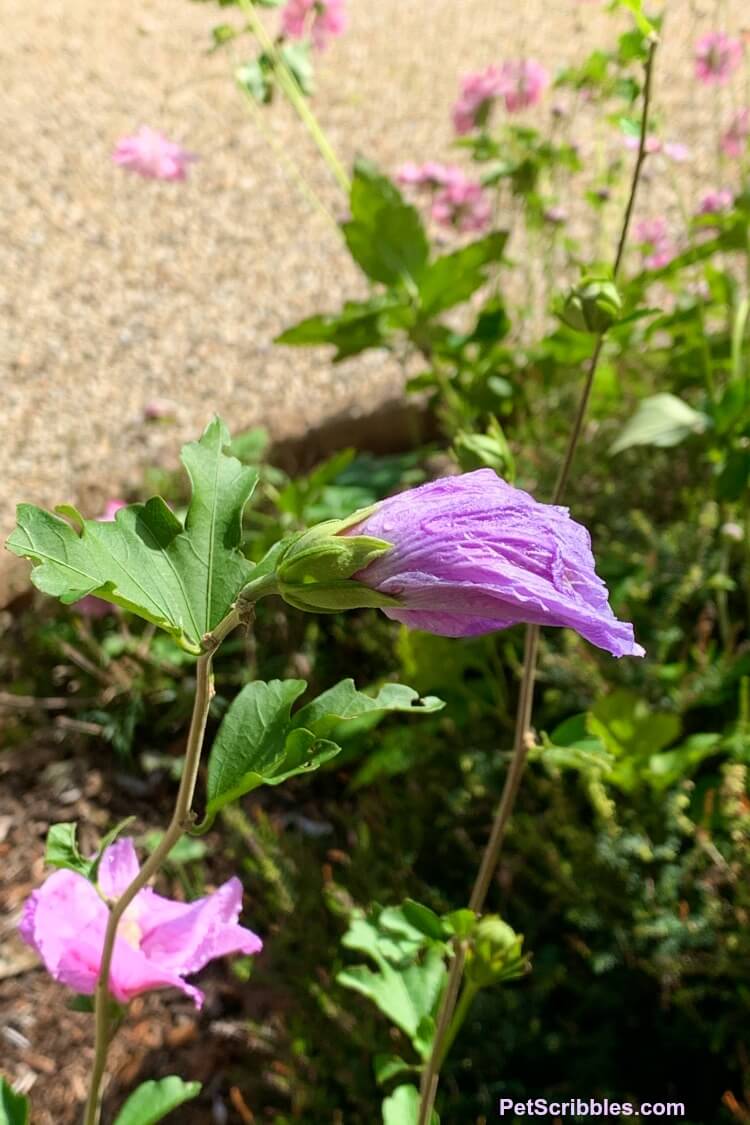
(313,569)
(593,306)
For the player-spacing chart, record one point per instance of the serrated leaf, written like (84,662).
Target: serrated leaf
(261,743)
(402,1107)
(14,1108)
(153,1100)
(661,420)
(62,849)
(385,234)
(453,278)
(183,579)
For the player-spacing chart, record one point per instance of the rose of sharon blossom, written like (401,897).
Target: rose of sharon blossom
(472,554)
(675,150)
(734,140)
(91,606)
(523,83)
(322,20)
(717,56)
(159,941)
(429,175)
(151,154)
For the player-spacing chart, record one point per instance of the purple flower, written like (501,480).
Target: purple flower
(159,940)
(323,20)
(523,83)
(151,154)
(734,139)
(472,554)
(478,92)
(714,202)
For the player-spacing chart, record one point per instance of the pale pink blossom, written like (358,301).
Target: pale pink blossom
(656,245)
(151,154)
(717,56)
(321,20)
(90,606)
(714,202)
(464,206)
(159,940)
(429,175)
(523,83)
(675,150)
(478,92)
(734,140)
(556,215)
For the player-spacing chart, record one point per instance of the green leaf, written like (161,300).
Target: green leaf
(261,743)
(402,1107)
(14,1108)
(255,79)
(385,234)
(661,420)
(297,58)
(632,733)
(183,579)
(360,325)
(153,1100)
(389,1066)
(453,278)
(344,702)
(62,849)
(644,25)
(408,981)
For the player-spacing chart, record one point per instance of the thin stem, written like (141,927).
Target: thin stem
(523,739)
(295,95)
(178,825)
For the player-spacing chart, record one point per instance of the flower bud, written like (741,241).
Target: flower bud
(593,306)
(495,953)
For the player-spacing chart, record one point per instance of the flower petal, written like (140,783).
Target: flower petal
(118,867)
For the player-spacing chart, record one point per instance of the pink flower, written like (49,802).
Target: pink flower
(734,140)
(429,175)
(159,940)
(478,92)
(523,83)
(151,154)
(322,20)
(717,56)
(653,237)
(462,205)
(714,202)
(91,606)
(673,149)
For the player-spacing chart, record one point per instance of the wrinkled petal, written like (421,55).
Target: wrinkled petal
(64,921)
(118,868)
(473,554)
(184,940)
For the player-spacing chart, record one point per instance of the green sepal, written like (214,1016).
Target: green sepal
(335,597)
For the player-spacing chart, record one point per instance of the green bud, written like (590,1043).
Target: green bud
(593,306)
(494,953)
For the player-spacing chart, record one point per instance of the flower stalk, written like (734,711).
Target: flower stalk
(523,738)
(180,822)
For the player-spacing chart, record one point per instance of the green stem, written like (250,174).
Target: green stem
(468,995)
(291,88)
(523,737)
(178,825)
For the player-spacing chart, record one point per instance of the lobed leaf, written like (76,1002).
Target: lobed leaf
(182,578)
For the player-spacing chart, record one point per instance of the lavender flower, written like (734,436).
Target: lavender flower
(472,554)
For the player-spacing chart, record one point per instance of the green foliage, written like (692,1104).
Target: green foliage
(261,743)
(181,578)
(153,1100)
(14,1108)
(62,848)
(402,1107)
(662,420)
(385,235)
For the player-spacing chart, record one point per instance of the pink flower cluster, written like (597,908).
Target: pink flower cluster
(159,941)
(734,140)
(652,235)
(321,20)
(717,56)
(519,82)
(674,150)
(714,202)
(457,201)
(151,154)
